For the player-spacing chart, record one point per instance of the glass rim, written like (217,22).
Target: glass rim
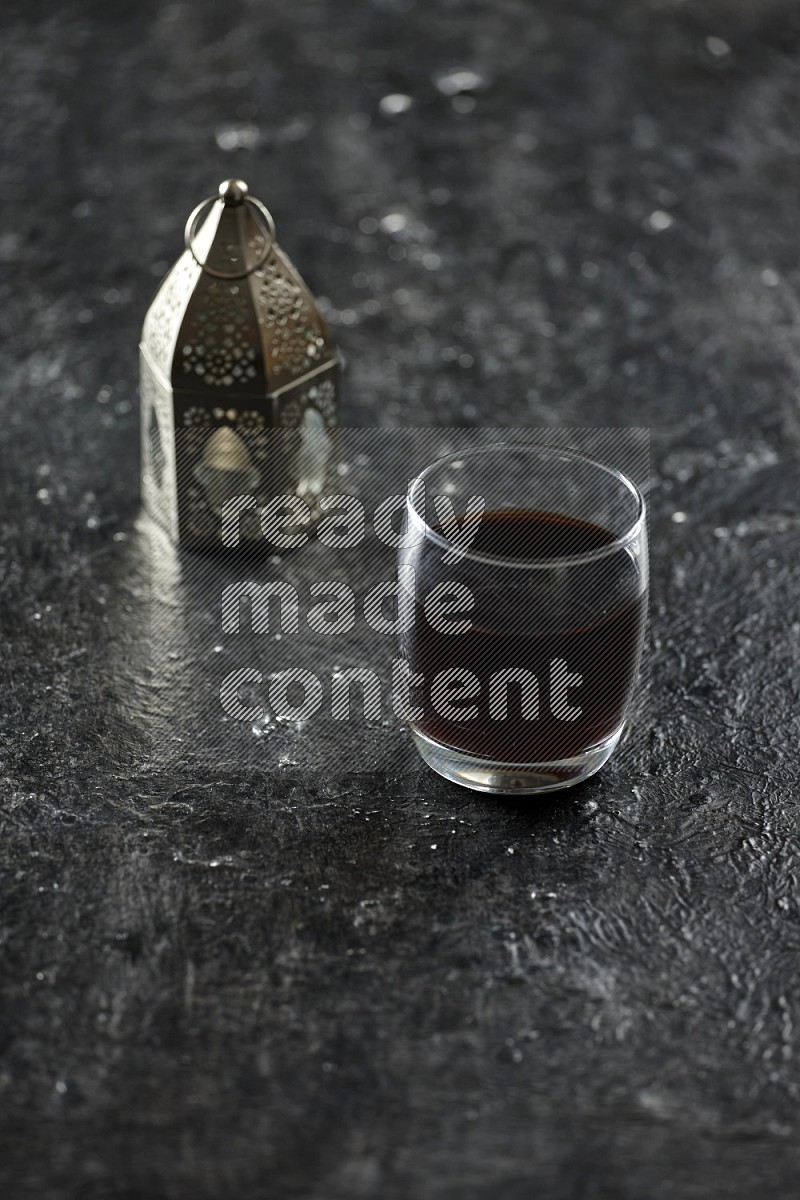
(619,542)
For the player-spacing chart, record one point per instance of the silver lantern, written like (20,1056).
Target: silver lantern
(239,377)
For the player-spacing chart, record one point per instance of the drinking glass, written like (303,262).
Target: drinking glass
(523,576)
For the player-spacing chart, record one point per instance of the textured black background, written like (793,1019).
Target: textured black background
(270,983)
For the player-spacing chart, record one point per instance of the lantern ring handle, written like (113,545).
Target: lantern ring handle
(268,225)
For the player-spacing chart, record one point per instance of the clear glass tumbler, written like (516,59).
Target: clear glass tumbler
(523,576)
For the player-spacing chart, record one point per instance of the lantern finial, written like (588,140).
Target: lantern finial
(233,191)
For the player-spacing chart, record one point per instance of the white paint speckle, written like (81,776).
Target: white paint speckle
(395,103)
(660,220)
(245,136)
(460,79)
(393,222)
(717,46)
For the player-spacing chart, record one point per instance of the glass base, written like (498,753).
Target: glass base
(487,775)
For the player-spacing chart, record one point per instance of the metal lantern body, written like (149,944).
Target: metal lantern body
(239,377)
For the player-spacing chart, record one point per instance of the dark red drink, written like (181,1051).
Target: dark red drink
(548,664)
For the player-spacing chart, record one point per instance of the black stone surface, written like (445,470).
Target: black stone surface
(588,996)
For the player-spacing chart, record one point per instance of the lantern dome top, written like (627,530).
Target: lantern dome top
(233,313)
